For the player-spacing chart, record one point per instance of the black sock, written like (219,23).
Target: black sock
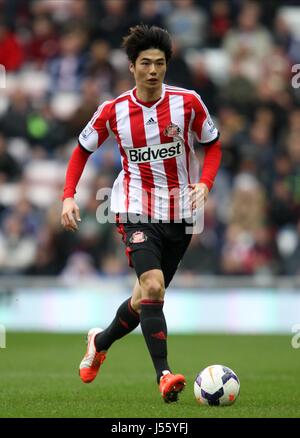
(125,321)
(154,329)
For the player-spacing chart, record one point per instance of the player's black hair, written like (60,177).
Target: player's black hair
(143,37)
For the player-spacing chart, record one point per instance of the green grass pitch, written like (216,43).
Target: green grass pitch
(39,377)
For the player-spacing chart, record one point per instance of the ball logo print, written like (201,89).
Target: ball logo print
(216,385)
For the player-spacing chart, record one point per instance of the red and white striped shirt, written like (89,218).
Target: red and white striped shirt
(156,147)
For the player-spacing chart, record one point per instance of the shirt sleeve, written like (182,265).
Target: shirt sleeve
(203,126)
(96,131)
(211,163)
(75,168)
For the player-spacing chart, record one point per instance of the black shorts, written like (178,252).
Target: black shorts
(154,246)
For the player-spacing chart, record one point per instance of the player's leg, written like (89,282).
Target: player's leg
(154,329)
(173,250)
(145,243)
(99,341)
(124,322)
(153,283)
(147,300)
(153,323)
(177,246)
(136,297)
(127,319)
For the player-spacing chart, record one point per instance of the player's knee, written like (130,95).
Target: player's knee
(136,304)
(152,287)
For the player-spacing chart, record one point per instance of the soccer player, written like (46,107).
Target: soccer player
(154,125)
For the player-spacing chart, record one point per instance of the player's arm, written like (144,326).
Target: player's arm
(70,210)
(208,136)
(92,136)
(212,160)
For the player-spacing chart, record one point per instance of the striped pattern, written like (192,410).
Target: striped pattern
(156,188)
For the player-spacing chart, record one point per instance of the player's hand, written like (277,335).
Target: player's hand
(70,214)
(198,195)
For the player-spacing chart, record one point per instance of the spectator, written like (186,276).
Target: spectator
(43,44)
(9,167)
(282,209)
(249,42)
(187,22)
(236,252)
(293,147)
(239,91)
(148,13)
(94,236)
(252,226)
(67,70)
(248,205)
(258,148)
(203,85)
(79,267)
(11,51)
(178,72)
(220,22)
(17,250)
(288,243)
(203,254)
(13,121)
(100,67)
(28,214)
(110,21)
(45,261)
(37,126)
(89,104)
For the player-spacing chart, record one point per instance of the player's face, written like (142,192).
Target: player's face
(149,69)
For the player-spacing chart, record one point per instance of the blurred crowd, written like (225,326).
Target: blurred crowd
(63,58)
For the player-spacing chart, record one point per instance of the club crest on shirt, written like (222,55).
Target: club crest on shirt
(172,130)
(138,237)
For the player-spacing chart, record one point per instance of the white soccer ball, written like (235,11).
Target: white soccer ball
(216,385)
